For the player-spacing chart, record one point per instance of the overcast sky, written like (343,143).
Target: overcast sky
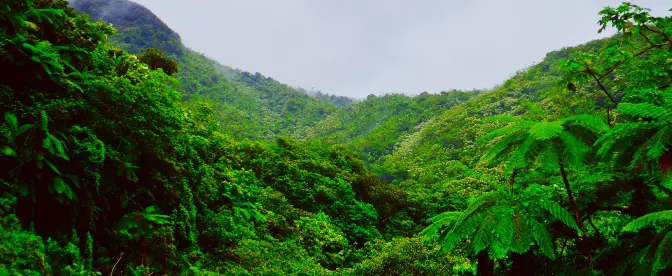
(357,47)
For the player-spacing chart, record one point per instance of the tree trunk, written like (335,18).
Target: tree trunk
(485,267)
(143,252)
(570,195)
(512,180)
(586,247)
(522,264)
(639,198)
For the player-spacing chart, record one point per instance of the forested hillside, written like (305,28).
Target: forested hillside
(254,106)
(126,153)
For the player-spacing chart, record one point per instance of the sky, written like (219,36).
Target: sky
(356,48)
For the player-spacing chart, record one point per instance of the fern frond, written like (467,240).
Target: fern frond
(575,150)
(485,234)
(560,213)
(507,130)
(621,133)
(504,144)
(521,240)
(445,216)
(468,221)
(519,156)
(12,121)
(643,110)
(7,151)
(546,130)
(663,258)
(460,231)
(659,143)
(440,221)
(502,233)
(592,123)
(648,220)
(667,96)
(543,238)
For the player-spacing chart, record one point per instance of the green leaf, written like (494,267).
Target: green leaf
(643,110)
(560,213)
(21,130)
(51,166)
(59,184)
(546,130)
(663,258)
(543,239)
(43,121)
(502,233)
(8,151)
(485,233)
(589,122)
(12,121)
(40,161)
(440,221)
(521,240)
(648,220)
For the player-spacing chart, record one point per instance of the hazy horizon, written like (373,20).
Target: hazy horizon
(350,48)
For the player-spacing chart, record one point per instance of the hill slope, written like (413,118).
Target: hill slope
(249,105)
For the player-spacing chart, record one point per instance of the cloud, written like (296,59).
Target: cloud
(356,48)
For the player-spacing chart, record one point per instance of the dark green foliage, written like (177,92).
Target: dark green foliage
(156,59)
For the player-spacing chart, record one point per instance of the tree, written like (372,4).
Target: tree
(564,143)
(157,59)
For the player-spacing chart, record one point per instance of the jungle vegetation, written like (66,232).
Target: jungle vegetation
(124,152)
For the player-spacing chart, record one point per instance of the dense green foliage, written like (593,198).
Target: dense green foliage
(126,153)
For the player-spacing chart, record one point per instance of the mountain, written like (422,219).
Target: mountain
(250,105)
(137,27)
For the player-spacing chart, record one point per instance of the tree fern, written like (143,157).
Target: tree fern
(648,132)
(524,140)
(496,226)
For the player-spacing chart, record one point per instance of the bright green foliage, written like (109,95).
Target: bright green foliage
(500,224)
(373,127)
(567,139)
(114,167)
